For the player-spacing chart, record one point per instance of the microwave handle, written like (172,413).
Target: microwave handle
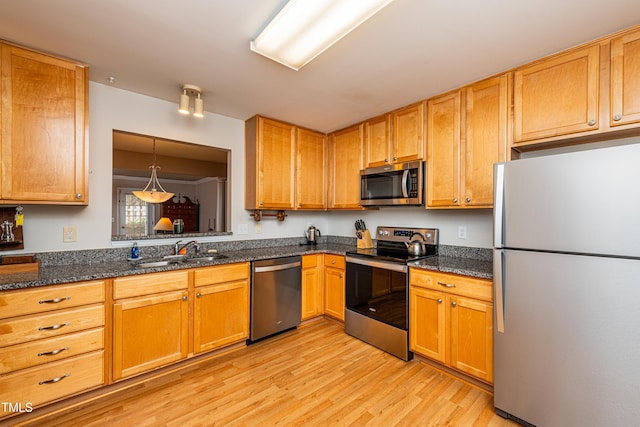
(405,179)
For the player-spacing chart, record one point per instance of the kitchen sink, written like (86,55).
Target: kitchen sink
(206,258)
(150,264)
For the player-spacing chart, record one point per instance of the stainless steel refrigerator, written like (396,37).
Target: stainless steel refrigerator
(567,288)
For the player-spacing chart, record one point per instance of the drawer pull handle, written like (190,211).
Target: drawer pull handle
(54,352)
(53,301)
(447,285)
(55,380)
(54,327)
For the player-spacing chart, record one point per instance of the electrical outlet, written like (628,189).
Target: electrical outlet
(69,234)
(243,229)
(462,232)
(258,228)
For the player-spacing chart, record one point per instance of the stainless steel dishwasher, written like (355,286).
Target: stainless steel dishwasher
(275,295)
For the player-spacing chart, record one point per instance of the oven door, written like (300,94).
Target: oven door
(378,290)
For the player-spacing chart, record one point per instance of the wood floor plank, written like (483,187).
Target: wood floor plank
(314,376)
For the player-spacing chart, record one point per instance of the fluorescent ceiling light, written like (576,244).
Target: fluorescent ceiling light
(303,29)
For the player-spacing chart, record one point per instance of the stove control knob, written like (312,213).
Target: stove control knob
(386,232)
(380,232)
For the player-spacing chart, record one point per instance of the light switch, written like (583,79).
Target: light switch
(69,234)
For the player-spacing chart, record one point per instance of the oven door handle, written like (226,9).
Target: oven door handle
(394,266)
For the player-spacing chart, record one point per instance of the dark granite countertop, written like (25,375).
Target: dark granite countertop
(56,274)
(83,271)
(464,266)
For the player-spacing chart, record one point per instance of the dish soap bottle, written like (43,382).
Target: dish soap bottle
(135,251)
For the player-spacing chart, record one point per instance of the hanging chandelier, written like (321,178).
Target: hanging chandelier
(153,195)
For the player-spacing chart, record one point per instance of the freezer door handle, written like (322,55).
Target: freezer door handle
(498,205)
(498,286)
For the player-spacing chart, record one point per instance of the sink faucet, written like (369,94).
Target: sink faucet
(177,248)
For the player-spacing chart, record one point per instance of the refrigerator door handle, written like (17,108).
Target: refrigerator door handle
(498,286)
(498,206)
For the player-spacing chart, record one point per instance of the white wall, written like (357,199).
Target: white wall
(112,108)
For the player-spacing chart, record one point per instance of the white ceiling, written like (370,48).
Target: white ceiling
(410,50)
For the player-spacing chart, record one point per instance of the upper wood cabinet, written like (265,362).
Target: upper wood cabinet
(378,149)
(557,96)
(408,133)
(443,150)
(625,79)
(395,137)
(270,154)
(310,170)
(345,162)
(467,134)
(44,102)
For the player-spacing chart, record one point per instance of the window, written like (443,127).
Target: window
(136,218)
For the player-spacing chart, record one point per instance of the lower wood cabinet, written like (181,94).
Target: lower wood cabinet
(153,315)
(334,282)
(149,331)
(451,321)
(51,343)
(312,290)
(221,307)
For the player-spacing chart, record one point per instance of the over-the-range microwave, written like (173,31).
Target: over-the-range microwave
(393,185)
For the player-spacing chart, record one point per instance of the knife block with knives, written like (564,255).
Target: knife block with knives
(363,235)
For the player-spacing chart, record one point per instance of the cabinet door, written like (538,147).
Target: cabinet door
(221,315)
(149,332)
(408,133)
(334,292)
(378,141)
(346,161)
(311,286)
(557,96)
(485,138)
(625,79)
(443,155)
(44,102)
(472,337)
(310,170)
(427,327)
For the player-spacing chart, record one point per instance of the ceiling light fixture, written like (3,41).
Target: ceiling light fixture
(303,29)
(153,195)
(198,107)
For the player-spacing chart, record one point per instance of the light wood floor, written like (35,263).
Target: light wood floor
(314,376)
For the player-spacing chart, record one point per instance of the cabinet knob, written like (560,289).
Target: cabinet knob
(333,261)
(198,295)
(439,300)
(468,200)
(617,117)
(341,275)
(455,200)
(78,196)
(386,160)
(453,304)
(395,158)
(184,298)
(299,205)
(591,122)
(261,203)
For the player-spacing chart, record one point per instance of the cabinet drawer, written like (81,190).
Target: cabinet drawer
(38,385)
(39,300)
(36,326)
(47,350)
(336,261)
(146,284)
(310,261)
(452,283)
(221,274)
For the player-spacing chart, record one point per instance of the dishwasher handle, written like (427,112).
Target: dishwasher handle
(277,267)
